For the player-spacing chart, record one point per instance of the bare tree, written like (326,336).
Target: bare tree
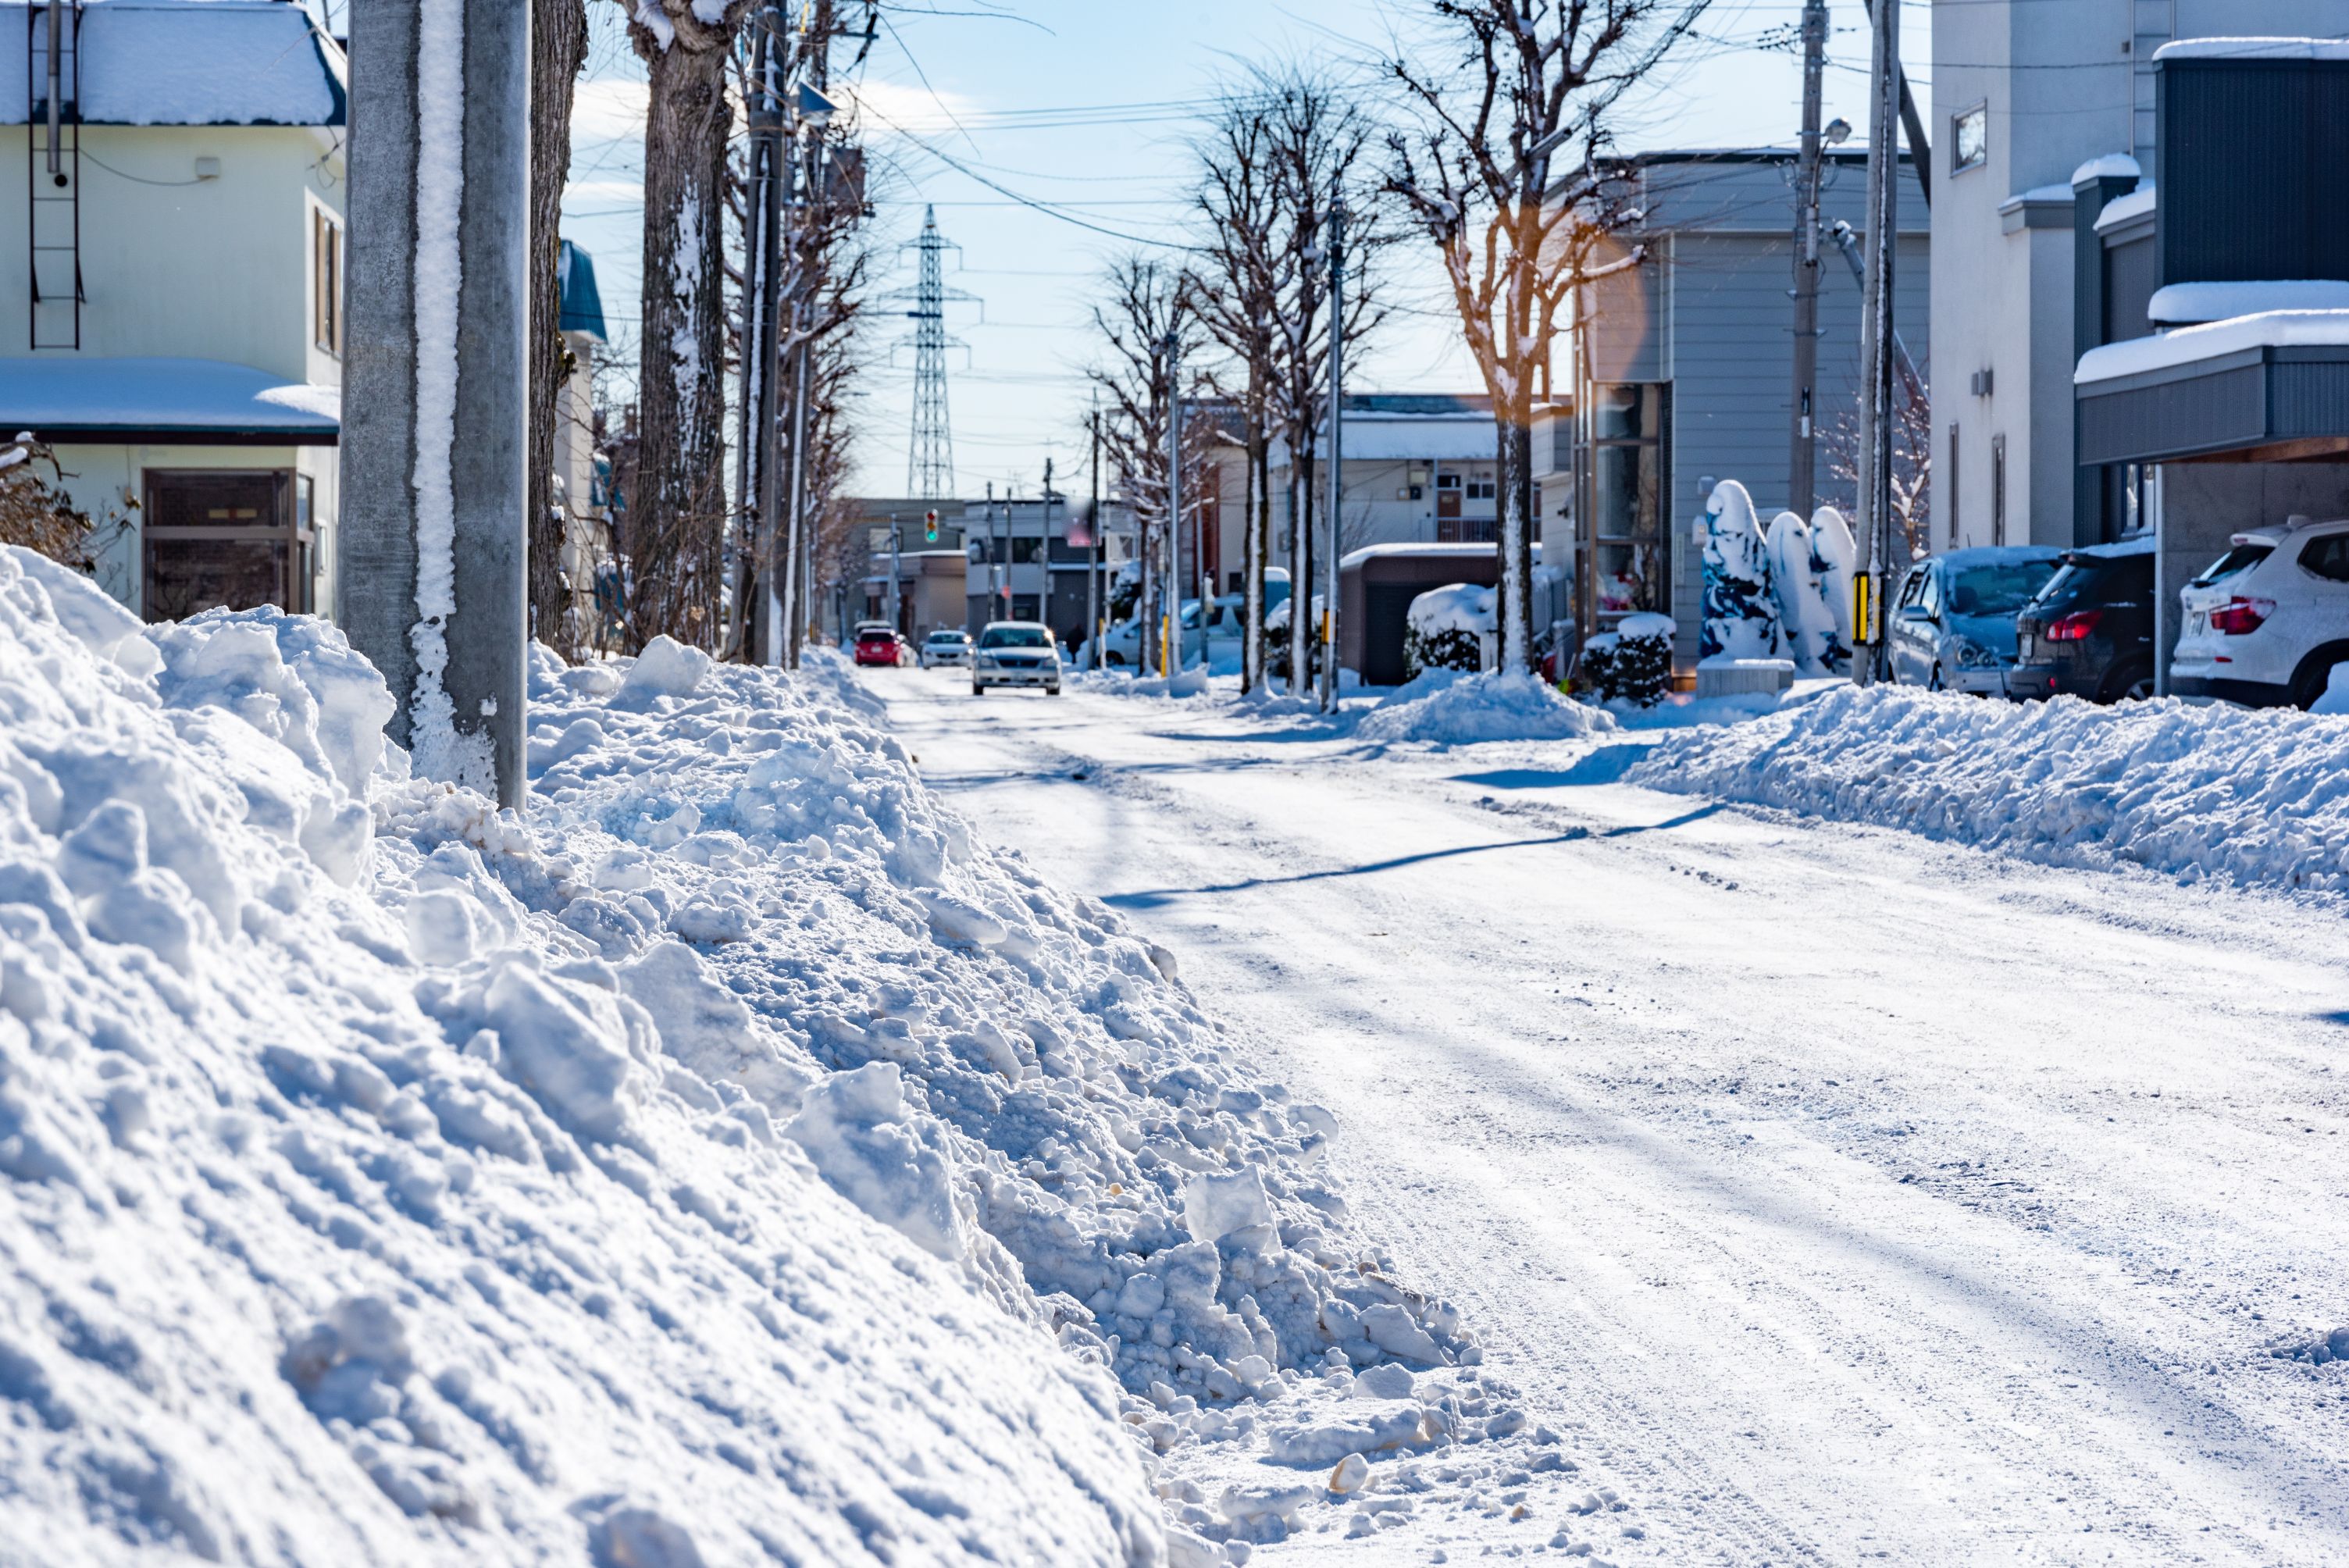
(1235,296)
(1912,465)
(1533,91)
(679,512)
(1317,137)
(1151,334)
(558,47)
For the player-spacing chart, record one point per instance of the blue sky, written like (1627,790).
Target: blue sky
(1089,105)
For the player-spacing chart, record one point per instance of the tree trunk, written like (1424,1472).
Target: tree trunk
(558,47)
(678,517)
(1515,545)
(1259,535)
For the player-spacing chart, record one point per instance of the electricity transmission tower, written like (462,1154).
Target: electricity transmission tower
(929,457)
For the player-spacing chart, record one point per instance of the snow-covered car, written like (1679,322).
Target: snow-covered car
(1121,648)
(1016,653)
(1953,626)
(947,646)
(880,645)
(2265,623)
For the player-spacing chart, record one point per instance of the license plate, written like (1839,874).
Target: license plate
(2196,623)
(2023,648)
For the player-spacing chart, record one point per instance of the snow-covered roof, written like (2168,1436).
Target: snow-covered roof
(582,302)
(2111,166)
(181,62)
(2038,193)
(2121,209)
(2184,304)
(2254,49)
(1411,438)
(2269,329)
(65,399)
(1410,547)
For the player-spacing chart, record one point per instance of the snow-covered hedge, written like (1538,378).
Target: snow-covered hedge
(1445,628)
(1632,664)
(1445,707)
(699,1168)
(2254,798)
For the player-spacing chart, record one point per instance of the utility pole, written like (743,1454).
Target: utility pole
(896,569)
(1044,551)
(1173,623)
(1801,483)
(1337,456)
(994,556)
(1093,568)
(435,435)
(1876,561)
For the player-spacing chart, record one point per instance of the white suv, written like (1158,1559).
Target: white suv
(2266,622)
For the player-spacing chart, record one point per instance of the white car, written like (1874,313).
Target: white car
(1016,653)
(2265,623)
(947,646)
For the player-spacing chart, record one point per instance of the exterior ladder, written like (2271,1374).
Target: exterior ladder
(53,173)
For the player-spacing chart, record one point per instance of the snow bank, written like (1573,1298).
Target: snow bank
(701,1169)
(354,1209)
(1448,708)
(2254,798)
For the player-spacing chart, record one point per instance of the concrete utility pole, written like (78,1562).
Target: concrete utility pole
(897,573)
(431,573)
(1171,656)
(1093,568)
(1044,551)
(1337,458)
(1802,482)
(1876,555)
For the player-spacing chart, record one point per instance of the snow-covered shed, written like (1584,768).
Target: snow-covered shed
(171,318)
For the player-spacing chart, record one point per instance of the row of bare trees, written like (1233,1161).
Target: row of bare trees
(1498,159)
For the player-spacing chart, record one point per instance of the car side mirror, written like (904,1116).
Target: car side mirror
(1916,613)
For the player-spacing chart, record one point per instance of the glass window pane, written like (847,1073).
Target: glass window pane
(1631,577)
(186,575)
(1624,480)
(1626,413)
(214,500)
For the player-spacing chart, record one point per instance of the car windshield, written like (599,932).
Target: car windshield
(947,636)
(1997,590)
(2241,558)
(1016,637)
(874,636)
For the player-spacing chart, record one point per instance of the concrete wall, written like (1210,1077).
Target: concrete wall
(2202,503)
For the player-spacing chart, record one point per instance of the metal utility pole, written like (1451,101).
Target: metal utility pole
(896,579)
(431,581)
(755,458)
(1801,483)
(1336,457)
(1173,649)
(1876,561)
(930,456)
(1044,551)
(1093,569)
(994,556)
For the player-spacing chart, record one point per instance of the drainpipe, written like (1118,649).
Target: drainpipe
(57,132)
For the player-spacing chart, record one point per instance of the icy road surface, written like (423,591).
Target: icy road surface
(1860,1197)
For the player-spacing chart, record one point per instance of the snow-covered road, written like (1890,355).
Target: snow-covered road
(1858,1196)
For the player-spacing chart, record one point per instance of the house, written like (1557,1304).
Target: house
(2212,394)
(1420,469)
(589,547)
(170,311)
(2030,101)
(1683,364)
(1029,561)
(931,571)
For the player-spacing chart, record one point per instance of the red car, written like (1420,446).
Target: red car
(878,646)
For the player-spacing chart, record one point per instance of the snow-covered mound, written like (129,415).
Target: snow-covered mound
(355,1212)
(697,1170)
(1450,707)
(2193,791)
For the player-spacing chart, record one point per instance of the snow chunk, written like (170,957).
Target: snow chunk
(853,1125)
(665,668)
(1215,1206)
(1450,707)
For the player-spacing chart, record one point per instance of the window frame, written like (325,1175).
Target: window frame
(326,265)
(1649,548)
(1978,111)
(291,525)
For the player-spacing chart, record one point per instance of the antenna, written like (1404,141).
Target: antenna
(929,457)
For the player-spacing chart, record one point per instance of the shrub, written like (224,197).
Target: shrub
(1632,664)
(1445,629)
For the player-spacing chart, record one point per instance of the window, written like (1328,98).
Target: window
(2328,557)
(1969,139)
(1928,590)
(1954,471)
(1480,488)
(1627,472)
(325,282)
(1998,489)
(221,537)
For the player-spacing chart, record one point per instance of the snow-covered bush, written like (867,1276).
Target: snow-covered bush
(1447,708)
(1632,664)
(1445,629)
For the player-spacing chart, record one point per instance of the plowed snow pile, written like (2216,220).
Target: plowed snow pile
(2260,799)
(699,1168)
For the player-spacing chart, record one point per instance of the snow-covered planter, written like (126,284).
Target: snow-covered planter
(1632,664)
(1447,628)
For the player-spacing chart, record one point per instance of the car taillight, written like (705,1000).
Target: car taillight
(2074,627)
(2237,616)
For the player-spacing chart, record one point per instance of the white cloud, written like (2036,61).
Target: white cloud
(895,106)
(608,109)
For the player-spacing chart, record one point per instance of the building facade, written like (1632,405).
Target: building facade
(1683,364)
(171,311)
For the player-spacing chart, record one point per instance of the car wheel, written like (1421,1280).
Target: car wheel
(1933,681)
(976,689)
(2126,682)
(1051,691)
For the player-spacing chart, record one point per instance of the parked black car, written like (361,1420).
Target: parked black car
(2089,633)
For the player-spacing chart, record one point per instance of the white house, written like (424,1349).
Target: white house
(1420,469)
(170,316)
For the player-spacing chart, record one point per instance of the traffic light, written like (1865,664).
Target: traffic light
(930,526)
